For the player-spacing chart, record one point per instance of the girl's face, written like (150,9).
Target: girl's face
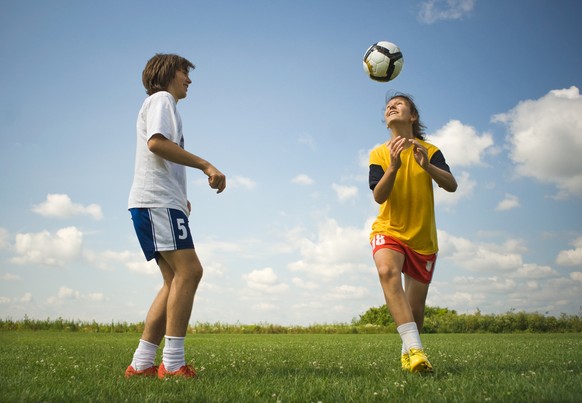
(178,87)
(398,110)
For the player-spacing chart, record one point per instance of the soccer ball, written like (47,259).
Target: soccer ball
(383,61)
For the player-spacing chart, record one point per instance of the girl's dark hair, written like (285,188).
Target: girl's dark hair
(161,69)
(417,126)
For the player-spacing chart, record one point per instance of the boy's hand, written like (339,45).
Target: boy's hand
(216,179)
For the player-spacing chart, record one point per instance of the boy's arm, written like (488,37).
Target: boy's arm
(162,147)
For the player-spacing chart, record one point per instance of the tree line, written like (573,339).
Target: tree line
(374,320)
(444,320)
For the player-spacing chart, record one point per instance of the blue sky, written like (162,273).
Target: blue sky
(280,103)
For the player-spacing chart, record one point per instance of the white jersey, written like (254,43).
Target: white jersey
(158,182)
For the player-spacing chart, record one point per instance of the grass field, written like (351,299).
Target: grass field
(62,366)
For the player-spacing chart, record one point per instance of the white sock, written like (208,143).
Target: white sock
(409,335)
(144,355)
(173,354)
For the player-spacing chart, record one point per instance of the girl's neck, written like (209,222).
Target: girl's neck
(401,131)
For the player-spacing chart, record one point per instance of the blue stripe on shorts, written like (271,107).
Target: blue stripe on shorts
(161,229)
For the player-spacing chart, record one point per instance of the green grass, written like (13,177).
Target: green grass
(62,366)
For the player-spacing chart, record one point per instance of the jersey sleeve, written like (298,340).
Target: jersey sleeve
(438,160)
(161,118)
(376,169)
(376,173)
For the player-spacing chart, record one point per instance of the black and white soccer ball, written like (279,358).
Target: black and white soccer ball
(383,61)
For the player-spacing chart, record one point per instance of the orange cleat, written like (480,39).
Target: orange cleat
(185,371)
(131,371)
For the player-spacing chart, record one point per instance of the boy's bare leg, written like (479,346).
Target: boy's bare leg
(187,273)
(155,323)
(155,326)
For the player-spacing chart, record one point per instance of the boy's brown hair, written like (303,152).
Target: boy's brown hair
(161,69)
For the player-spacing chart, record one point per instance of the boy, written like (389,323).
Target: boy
(159,209)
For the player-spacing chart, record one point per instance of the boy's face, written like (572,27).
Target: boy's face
(178,87)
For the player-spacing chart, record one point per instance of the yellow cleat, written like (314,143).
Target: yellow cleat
(419,361)
(405,360)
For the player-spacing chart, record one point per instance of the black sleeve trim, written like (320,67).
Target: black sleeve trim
(438,160)
(376,173)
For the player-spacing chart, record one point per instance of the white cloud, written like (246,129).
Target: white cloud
(439,10)
(48,249)
(133,261)
(307,285)
(345,192)
(461,144)
(335,252)
(265,307)
(238,181)
(302,179)
(534,271)
(481,257)
(9,277)
(210,250)
(499,279)
(141,266)
(464,191)
(459,298)
(544,139)
(484,285)
(496,294)
(265,276)
(571,257)
(27,297)
(95,296)
(265,280)
(61,206)
(509,202)
(344,291)
(68,294)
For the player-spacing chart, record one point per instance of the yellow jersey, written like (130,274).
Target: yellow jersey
(408,214)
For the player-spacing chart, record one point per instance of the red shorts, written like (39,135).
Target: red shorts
(419,267)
